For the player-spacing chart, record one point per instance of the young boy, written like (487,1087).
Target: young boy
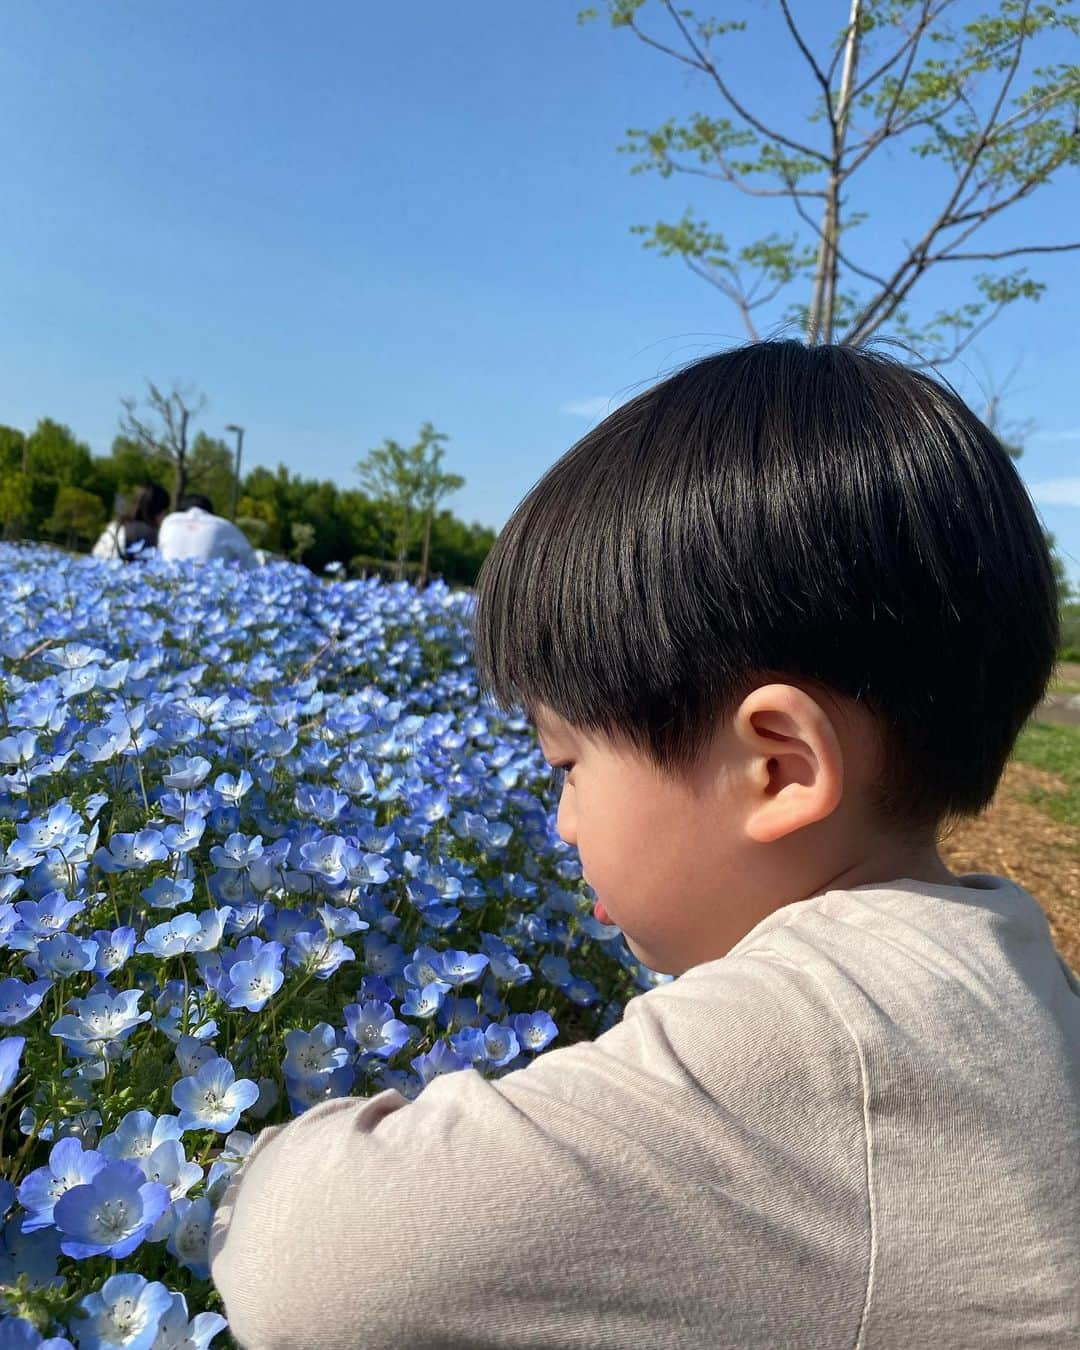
(781,617)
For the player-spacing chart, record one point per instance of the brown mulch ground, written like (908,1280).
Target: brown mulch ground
(1016,840)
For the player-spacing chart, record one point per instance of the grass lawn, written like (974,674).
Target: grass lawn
(1055,749)
(1066,679)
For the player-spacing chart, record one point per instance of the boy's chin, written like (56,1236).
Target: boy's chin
(647,958)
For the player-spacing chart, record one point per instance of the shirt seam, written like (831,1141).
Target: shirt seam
(860,1333)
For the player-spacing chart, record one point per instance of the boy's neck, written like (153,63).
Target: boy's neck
(915,864)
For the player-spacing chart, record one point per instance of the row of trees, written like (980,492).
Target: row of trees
(52,486)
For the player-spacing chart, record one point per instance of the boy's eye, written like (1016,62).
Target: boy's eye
(558,777)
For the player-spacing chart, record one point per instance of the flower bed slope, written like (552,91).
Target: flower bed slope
(261,845)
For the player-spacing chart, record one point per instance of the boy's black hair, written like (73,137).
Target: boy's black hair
(777,511)
(196,499)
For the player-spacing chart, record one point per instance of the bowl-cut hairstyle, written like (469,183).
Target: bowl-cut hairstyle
(780,512)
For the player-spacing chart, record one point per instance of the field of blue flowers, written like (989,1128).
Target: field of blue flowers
(261,844)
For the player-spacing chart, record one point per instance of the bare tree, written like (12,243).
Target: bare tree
(165,431)
(900,71)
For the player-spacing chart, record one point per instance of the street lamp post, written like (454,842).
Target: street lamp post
(236,478)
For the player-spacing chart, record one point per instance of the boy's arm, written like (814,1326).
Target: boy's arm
(696,1176)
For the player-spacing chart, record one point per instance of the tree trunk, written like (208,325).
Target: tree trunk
(820,322)
(426,553)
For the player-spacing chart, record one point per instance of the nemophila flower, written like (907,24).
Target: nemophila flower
(323,857)
(363,868)
(63,955)
(111,1214)
(175,1332)
(253,983)
(213,1098)
(114,949)
(171,937)
(73,656)
(187,772)
(319,954)
(238,851)
(505,964)
(185,836)
(99,1020)
(341,922)
(374,1029)
(33,1254)
(426,966)
(43,918)
(61,828)
(169,1012)
(383,957)
(535,1030)
(191,1054)
(469,1044)
(313,1052)
(500,1044)
(19,1001)
(581,991)
(138,1134)
(11,1048)
(69,1165)
(18,750)
(323,803)
(126,1312)
(462,968)
(168,1164)
(355,777)
(189,1235)
(130,852)
(439,1060)
(456,1013)
(232,789)
(427,1001)
(102,744)
(307,1090)
(167,892)
(556,970)
(16,1333)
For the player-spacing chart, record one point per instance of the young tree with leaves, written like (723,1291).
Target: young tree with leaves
(408,484)
(986,99)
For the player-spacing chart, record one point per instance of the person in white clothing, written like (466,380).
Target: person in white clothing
(194,532)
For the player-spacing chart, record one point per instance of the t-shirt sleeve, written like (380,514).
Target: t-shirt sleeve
(695,1176)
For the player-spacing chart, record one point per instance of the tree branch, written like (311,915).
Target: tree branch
(968,338)
(1003,253)
(885,304)
(727,174)
(706,64)
(819,74)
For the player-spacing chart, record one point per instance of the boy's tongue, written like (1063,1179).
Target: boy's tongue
(600,914)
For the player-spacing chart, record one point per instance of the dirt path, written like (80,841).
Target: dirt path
(1016,840)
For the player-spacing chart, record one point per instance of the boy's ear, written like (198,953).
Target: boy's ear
(793,764)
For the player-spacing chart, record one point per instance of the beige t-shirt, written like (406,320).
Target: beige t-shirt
(859,1128)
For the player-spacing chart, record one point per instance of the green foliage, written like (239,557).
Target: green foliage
(16,502)
(68,494)
(407,484)
(1055,748)
(1070,630)
(77,516)
(210,470)
(902,75)
(303,539)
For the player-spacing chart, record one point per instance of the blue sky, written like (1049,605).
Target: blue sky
(341,220)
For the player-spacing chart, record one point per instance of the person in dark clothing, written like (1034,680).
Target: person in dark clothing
(138,524)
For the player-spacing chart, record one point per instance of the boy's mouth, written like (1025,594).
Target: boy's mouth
(600,914)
